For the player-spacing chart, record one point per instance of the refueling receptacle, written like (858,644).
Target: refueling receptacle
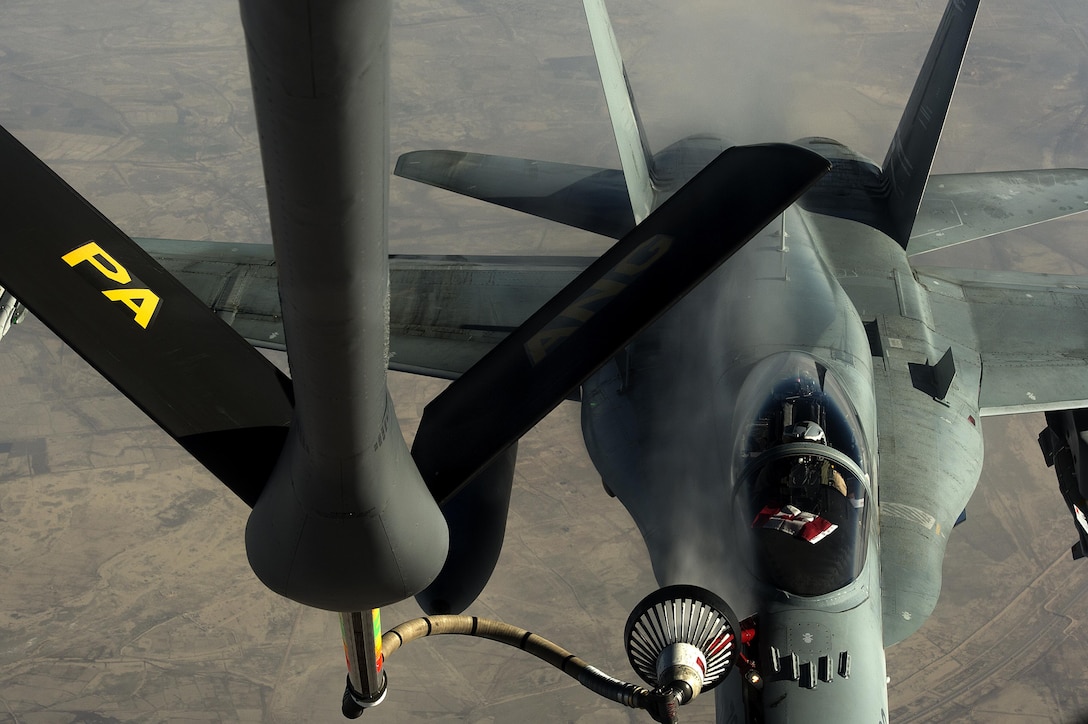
(682,639)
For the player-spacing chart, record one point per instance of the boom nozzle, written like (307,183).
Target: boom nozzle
(682,640)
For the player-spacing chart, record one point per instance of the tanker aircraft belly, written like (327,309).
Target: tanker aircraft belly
(785,401)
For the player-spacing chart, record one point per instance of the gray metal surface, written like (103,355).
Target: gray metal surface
(906,166)
(344,491)
(963,207)
(594,199)
(445,313)
(1031,331)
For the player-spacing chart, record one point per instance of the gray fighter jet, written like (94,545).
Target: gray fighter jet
(783,400)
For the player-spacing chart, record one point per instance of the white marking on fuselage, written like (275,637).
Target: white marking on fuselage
(908,512)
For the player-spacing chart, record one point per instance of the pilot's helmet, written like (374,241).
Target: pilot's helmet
(806,431)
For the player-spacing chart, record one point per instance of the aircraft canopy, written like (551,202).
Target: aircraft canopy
(803,494)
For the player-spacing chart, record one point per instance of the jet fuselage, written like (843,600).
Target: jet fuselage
(769,341)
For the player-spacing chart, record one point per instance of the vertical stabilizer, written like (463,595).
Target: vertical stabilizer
(634,152)
(910,156)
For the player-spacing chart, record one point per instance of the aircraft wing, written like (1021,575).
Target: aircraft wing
(966,206)
(446,312)
(236,281)
(1031,331)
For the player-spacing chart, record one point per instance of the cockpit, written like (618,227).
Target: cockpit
(802,492)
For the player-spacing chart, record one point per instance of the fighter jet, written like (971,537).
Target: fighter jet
(797,434)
